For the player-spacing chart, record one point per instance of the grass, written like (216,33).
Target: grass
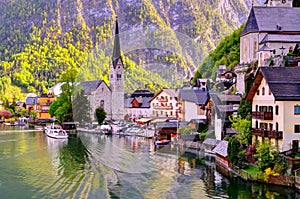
(254,172)
(297,155)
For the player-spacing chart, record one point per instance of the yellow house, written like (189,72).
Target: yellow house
(43,104)
(275,96)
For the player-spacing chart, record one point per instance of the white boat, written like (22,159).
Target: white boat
(106,128)
(56,131)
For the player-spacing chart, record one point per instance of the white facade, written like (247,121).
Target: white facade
(283,119)
(164,104)
(192,111)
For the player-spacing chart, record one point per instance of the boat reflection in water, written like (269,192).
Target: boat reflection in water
(100,166)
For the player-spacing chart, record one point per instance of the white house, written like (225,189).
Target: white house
(164,104)
(194,104)
(275,97)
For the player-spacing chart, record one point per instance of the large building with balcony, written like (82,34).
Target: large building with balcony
(164,104)
(275,97)
(42,105)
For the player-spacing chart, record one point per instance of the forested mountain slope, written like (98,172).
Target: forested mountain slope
(41,38)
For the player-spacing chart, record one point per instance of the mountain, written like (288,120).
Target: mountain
(164,41)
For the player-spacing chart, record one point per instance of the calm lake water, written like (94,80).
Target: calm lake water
(97,166)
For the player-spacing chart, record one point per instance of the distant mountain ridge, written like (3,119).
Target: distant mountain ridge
(53,27)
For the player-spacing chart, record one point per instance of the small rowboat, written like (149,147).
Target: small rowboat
(161,142)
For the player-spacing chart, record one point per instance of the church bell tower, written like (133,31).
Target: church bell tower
(116,79)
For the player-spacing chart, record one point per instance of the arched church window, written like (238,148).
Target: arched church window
(102,103)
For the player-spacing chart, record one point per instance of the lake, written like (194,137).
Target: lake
(99,166)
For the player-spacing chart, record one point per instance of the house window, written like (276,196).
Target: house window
(102,89)
(102,103)
(119,76)
(256,124)
(276,110)
(170,98)
(297,110)
(111,76)
(263,91)
(256,108)
(257,92)
(270,109)
(161,112)
(171,113)
(276,127)
(297,128)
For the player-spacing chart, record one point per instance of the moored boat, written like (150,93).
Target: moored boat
(161,142)
(56,131)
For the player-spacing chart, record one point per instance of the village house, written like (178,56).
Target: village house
(275,97)
(224,106)
(221,154)
(42,105)
(137,105)
(164,104)
(194,104)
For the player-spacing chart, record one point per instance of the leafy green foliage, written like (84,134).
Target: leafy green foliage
(100,114)
(236,153)
(268,157)
(245,108)
(243,126)
(226,53)
(81,107)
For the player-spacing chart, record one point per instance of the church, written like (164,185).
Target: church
(111,98)
(98,93)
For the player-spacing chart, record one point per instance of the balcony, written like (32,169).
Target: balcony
(262,115)
(42,110)
(45,103)
(267,133)
(162,99)
(162,107)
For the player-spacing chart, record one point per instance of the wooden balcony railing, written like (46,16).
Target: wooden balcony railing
(267,133)
(160,99)
(163,107)
(45,103)
(262,115)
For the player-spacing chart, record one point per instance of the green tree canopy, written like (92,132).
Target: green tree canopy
(100,114)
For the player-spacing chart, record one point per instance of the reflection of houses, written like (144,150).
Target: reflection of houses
(138,105)
(43,104)
(275,97)
(164,104)
(194,104)
(224,106)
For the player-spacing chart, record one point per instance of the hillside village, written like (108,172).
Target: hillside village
(269,54)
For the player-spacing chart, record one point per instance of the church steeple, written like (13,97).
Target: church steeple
(116,79)
(117,48)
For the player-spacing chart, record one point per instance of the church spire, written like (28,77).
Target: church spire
(117,48)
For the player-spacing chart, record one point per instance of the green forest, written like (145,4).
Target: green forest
(39,40)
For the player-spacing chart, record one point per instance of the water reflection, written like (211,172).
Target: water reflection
(98,166)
